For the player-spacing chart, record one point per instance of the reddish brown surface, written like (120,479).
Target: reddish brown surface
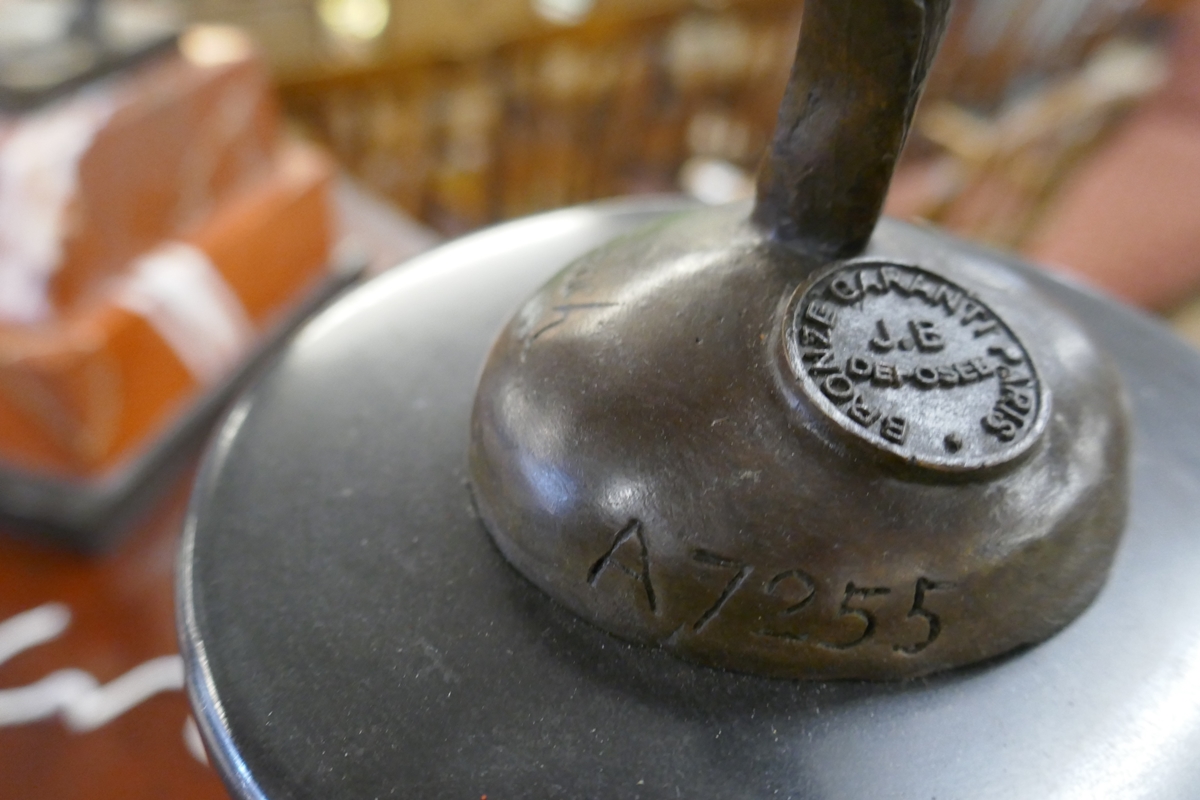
(122,616)
(1130,221)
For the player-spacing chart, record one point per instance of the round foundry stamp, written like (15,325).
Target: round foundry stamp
(913,364)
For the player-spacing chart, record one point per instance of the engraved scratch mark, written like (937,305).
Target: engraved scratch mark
(918,610)
(632,531)
(810,593)
(564,311)
(714,560)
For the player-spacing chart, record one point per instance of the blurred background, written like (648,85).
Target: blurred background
(462,113)
(182,182)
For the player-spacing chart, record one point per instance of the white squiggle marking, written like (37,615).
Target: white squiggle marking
(44,699)
(72,694)
(31,628)
(193,742)
(96,708)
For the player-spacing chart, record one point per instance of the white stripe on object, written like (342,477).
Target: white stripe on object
(31,628)
(73,694)
(44,699)
(40,153)
(80,700)
(93,709)
(185,299)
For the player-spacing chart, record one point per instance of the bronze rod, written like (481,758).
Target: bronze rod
(860,67)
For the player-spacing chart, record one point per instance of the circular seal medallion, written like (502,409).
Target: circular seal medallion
(913,364)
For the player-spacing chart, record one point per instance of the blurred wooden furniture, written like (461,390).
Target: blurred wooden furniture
(553,115)
(464,114)
(1130,219)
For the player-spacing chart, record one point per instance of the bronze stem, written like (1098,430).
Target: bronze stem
(860,67)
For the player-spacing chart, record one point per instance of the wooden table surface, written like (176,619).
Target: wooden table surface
(122,615)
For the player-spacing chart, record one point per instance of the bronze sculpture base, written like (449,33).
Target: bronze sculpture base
(905,462)
(351,632)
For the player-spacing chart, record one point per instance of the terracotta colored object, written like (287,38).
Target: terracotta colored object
(99,178)
(152,227)
(79,393)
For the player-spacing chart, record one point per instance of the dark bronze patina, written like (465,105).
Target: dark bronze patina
(859,70)
(793,441)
